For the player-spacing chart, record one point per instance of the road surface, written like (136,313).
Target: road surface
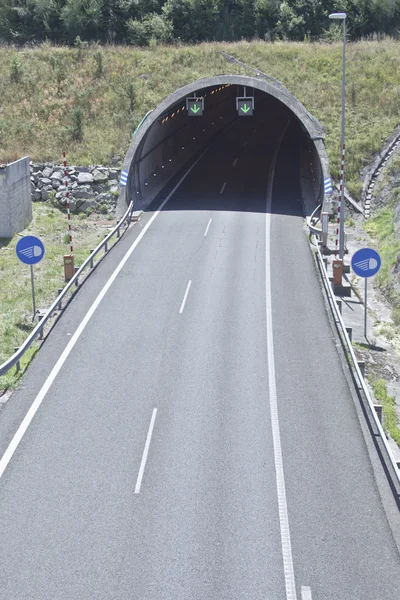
(161,465)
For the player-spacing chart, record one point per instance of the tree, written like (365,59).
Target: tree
(25,20)
(300,18)
(193,20)
(266,18)
(152,26)
(82,18)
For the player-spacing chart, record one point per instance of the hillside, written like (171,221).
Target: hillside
(88,100)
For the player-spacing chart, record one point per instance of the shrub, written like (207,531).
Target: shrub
(76,128)
(15,69)
(131,92)
(81,48)
(98,57)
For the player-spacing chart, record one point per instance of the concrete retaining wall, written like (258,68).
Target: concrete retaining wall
(15,198)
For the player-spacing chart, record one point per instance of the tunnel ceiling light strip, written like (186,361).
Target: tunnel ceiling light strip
(165,119)
(182,108)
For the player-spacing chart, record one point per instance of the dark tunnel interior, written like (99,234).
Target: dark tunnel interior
(175,140)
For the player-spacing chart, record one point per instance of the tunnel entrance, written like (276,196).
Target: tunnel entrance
(171,137)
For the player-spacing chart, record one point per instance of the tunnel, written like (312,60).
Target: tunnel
(170,138)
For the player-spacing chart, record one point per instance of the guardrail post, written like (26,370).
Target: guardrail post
(60,303)
(91,260)
(18,364)
(361,366)
(339,305)
(325,262)
(350,333)
(378,410)
(118,230)
(76,269)
(40,317)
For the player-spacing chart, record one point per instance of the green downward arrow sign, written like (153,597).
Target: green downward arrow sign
(195,108)
(245,108)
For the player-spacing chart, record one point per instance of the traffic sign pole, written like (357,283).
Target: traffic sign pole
(30,251)
(366,263)
(33,294)
(365,308)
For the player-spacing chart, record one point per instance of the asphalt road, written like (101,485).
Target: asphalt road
(184,330)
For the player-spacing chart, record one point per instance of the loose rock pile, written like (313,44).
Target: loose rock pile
(94,188)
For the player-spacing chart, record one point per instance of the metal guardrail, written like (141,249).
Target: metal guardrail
(311,226)
(57,304)
(359,376)
(141,122)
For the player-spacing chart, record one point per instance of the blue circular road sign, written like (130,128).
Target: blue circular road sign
(366,262)
(30,250)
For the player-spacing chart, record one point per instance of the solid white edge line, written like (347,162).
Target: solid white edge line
(223,187)
(145,452)
(305,593)
(207,228)
(287,556)
(56,369)
(185,297)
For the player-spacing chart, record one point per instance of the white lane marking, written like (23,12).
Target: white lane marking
(145,452)
(223,187)
(276,436)
(245,144)
(305,593)
(207,228)
(56,369)
(185,297)
(235,162)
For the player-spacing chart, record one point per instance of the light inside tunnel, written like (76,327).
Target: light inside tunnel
(170,140)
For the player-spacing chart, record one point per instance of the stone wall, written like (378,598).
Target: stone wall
(15,198)
(94,188)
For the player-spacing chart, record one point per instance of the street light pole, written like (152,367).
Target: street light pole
(342,17)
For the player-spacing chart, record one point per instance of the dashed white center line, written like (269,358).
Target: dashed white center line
(235,161)
(145,452)
(305,593)
(185,297)
(223,187)
(207,228)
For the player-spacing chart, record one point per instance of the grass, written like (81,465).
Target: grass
(45,89)
(381,229)
(49,224)
(388,407)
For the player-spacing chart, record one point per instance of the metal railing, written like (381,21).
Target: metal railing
(141,122)
(57,304)
(359,379)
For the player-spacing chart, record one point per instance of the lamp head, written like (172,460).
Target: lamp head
(339,16)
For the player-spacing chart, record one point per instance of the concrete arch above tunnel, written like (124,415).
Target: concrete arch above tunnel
(168,140)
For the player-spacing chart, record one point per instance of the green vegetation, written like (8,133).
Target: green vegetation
(394,168)
(144,21)
(388,407)
(58,100)
(381,229)
(15,290)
